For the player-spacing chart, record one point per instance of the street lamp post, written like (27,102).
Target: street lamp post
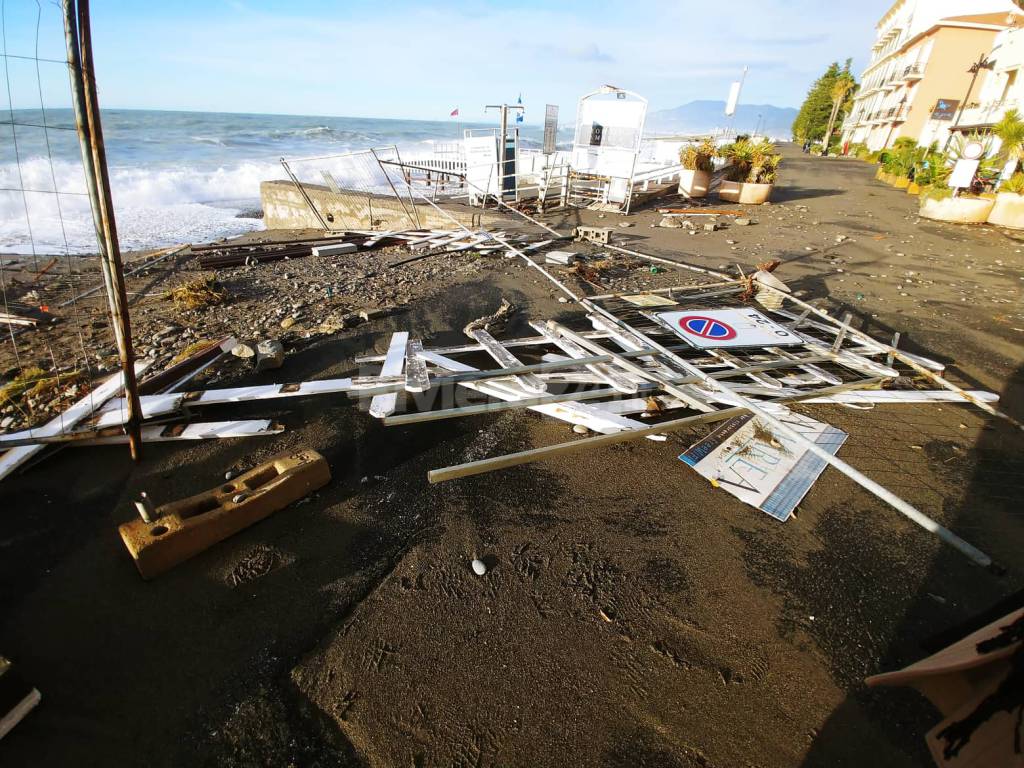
(976,67)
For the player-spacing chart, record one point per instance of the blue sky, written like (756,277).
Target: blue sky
(422,59)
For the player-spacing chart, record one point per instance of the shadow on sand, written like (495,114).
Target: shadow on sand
(986,510)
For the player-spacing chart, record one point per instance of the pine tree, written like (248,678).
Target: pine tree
(812,120)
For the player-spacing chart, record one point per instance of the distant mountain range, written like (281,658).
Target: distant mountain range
(707,116)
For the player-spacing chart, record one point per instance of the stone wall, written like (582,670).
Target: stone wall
(285,208)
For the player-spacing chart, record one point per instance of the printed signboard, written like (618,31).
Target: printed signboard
(550,128)
(482,172)
(945,109)
(717,328)
(963,173)
(760,466)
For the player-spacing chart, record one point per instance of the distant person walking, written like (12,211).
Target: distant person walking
(807,146)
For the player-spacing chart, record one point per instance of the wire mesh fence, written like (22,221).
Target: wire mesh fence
(58,339)
(361,190)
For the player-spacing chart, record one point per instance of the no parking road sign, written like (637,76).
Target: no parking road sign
(715,328)
(707,328)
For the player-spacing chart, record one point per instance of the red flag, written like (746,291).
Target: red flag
(455,112)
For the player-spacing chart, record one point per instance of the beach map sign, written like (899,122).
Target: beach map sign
(718,328)
(760,466)
(945,109)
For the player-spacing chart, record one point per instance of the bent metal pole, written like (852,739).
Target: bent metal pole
(90,133)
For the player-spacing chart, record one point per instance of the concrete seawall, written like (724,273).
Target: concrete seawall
(285,208)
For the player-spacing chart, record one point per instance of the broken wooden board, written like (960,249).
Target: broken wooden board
(394,362)
(65,421)
(183,529)
(17,697)
(528,381)
(574,413)
(761,467)
(649,300)
(605,373)
(416,377)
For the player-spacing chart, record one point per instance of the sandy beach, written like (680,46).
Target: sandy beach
(632,614)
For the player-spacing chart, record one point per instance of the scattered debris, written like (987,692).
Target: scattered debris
(562,258)
(202,292)
(269,355)
(243,351)
(492,322)
(700,212)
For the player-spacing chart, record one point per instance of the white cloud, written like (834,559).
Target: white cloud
(415,60)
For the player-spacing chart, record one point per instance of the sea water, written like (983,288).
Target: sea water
(176,177)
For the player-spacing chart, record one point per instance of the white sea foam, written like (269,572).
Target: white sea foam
(154,207)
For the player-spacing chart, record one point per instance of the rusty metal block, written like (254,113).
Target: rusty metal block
(182,529)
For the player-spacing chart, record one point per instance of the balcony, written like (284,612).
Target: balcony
(897,114)
(913,72)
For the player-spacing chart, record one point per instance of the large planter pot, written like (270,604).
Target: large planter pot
(913,188)
(902,182)
(748,194)
(694,183)
(958,210)
(1008,210)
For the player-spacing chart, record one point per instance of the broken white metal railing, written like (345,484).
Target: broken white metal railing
(630,338)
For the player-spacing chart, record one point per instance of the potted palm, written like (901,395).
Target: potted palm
(1008,210)
(752,172)
(698,161)
(901,162)
(942,203)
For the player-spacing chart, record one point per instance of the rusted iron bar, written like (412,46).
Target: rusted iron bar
(90,132)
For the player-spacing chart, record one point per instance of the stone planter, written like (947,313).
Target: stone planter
(694,183)
(902,182)
(879,173)
(1008,210)
(747,194)
(958,210)
(913,188)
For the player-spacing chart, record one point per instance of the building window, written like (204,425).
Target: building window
(1011,80)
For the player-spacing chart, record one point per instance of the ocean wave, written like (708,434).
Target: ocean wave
(153,206)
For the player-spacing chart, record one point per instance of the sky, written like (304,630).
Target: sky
(406,59)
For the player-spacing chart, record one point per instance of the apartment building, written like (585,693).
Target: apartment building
(1001,89)
(918,74)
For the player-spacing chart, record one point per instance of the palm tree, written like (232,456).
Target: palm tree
(1010,131)
(842,86)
